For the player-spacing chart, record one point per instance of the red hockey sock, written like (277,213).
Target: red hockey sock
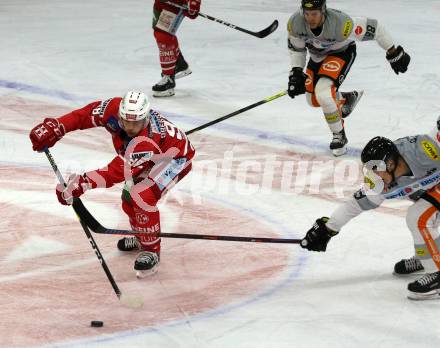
(168,51)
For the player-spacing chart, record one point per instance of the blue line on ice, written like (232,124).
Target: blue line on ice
(264,135)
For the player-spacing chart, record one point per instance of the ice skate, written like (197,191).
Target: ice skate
(408,267)
(426,288)
(165,87)
(338,144)
(128,244)
(182,68)
(146,264)
(351,100)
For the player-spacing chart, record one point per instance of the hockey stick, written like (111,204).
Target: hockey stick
(96,227)
(260,34)
(217,120)
(131,301)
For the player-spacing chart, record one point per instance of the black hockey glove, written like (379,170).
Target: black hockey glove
(297,82)
(318,236)
(399,60)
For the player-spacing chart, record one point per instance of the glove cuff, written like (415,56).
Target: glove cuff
(394,57)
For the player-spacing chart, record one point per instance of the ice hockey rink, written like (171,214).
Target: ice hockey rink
(267,172)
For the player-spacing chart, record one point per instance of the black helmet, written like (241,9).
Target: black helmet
(313,4)
(380,149)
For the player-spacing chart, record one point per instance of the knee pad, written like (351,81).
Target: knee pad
(325,93)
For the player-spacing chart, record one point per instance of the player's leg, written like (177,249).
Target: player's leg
(332,72)
(165,24)
(347,101)
(144,217)
(325,92)
(311,72)
(139,202)
(422,220)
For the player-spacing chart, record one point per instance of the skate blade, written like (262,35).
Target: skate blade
(167,93)
(339,152)
(431,295)
(147,273)
(409,275)
(183,73)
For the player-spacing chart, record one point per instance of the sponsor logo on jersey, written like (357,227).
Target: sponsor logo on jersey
(141,218)
(430,150)
(102,107)
(348,26)
(430,180)
(138,158)
(358,30)
(420,252)
(332,66)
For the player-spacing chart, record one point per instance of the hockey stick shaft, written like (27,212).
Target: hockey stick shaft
(235,113)
(85,228)
(260,34)
(96,227)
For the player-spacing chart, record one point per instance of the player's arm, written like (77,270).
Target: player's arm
(48,132)
(325,228)
(367,29)
(296,46)
(298,53)
(118,170)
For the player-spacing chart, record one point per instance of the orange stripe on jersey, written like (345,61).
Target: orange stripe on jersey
(331,67)
(427,237)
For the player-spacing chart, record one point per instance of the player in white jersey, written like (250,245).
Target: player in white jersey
(329,36)
(406,168)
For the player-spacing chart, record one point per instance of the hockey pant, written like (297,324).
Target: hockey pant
(423,220)
(139,202)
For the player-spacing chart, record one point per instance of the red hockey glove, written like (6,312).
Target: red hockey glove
(76,186)
(193,8)
(46,134)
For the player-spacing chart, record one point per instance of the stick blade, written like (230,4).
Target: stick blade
(269,30)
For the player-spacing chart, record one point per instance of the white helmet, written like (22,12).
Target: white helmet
(134,106)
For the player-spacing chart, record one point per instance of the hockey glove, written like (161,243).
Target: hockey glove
(318,236)
(297,82)
(399,60)
(46,134)
(76,186)
(193,8)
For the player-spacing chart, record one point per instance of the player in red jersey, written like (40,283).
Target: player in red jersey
(166,21)
(152,155)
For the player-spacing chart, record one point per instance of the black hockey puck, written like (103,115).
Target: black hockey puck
(96,323)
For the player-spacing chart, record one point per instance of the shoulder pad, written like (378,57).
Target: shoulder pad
(343,24)
(296,24)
